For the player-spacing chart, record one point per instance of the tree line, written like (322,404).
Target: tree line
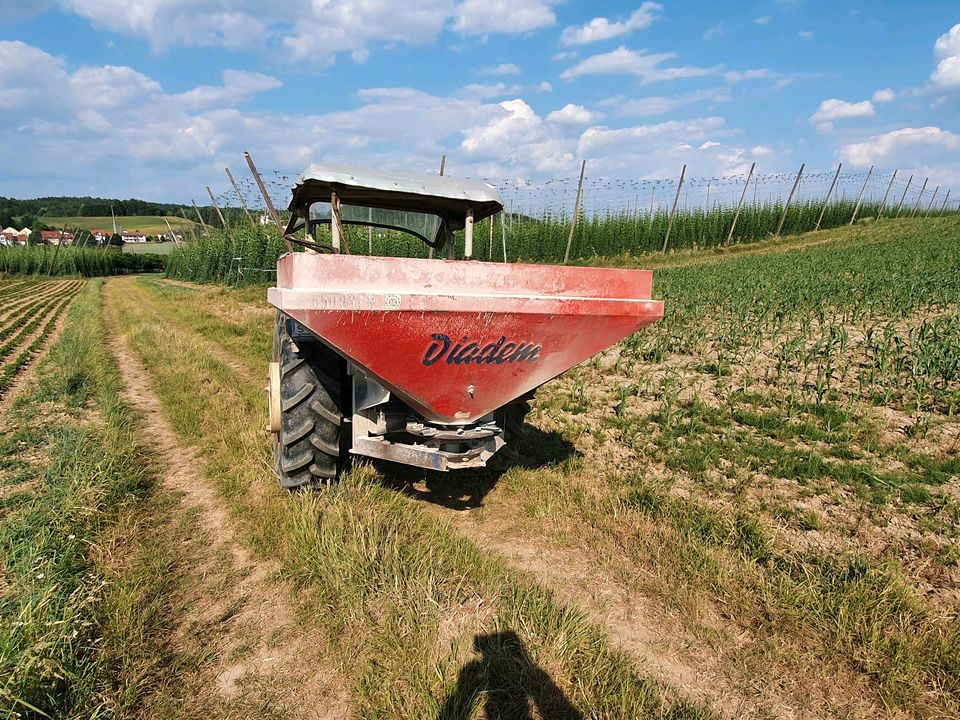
(66,206)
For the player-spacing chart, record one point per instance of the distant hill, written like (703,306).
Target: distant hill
(147,224)
(89,212)
(85,207)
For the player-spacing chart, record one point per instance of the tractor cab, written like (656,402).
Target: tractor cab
(329,199)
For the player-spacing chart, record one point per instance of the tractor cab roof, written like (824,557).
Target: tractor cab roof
(445,196)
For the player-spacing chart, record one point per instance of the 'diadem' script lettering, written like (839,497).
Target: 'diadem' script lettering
(467,351)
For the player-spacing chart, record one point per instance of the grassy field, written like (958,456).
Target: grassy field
(751,509)
(147,224)
(156,248)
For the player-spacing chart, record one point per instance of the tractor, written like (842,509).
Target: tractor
(424,361)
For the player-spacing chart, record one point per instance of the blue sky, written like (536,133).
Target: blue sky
(153,98)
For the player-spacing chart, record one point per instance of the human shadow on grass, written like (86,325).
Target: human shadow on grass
(466,489)
(507,683)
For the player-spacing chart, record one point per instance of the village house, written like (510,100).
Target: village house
(55,237)
(10,236)
(100,236)
(133,236)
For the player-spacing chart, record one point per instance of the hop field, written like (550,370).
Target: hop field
(245,255)
(75,261)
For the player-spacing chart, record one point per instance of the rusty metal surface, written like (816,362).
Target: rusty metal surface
(456,340)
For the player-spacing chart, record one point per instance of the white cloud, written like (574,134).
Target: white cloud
(948,44)
(481,91)
(736,76)
(111,86)
(908,145)
(321,30)
(237,86)
(883,96)
(27,75)
(167,145)
(947,73)
(660,148)
(517,136)
(806,34)
(600,28)
(482,17)
(660,105)
(198,23)
(761,150)
(634,62)
(573,115)
(762,20)
(925,152)
(947,50)
(716,31)
(543,87)
(593,140)
(503,69)
(833,109)
(314,31)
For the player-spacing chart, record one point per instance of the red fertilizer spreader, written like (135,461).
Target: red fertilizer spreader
(425,362)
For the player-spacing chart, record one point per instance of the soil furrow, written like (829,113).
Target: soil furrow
(56,307)
(47,290)
(8,394)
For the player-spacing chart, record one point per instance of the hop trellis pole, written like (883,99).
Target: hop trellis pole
(826,200)
(576,212)
(736,216)
(883,204)
(786,208)
(673,210)
(856,208)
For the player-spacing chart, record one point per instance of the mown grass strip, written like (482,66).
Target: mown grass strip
(76,631)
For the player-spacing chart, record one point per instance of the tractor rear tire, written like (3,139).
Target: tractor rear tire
(309,449)
(513,416)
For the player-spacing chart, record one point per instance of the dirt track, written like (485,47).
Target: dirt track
(229,608)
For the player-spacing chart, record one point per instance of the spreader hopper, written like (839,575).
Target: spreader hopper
(456,340)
